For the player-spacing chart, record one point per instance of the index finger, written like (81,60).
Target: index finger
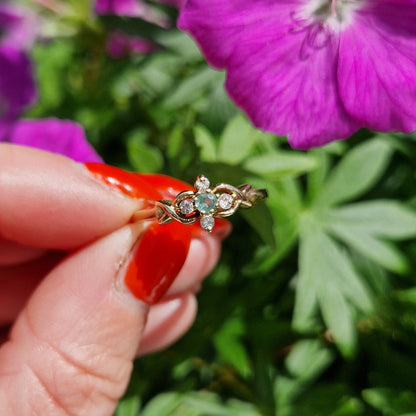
(50,201)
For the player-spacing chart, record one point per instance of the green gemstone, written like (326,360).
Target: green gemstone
(205,202)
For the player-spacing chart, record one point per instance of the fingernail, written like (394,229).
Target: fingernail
(118,179)
(156,260)
(221,230)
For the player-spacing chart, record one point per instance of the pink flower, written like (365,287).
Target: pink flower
(64,137)
(314,70)
(121,45)
(132,8)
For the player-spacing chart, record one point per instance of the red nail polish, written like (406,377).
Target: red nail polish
(125,182)
(157,260)
(169,188)
(162,250)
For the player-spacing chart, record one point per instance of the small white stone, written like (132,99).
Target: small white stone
(207,222)
(186,206)
(202,183)
(226,201)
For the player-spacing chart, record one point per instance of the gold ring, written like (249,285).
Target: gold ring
(205,204)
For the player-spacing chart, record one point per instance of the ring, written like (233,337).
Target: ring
(205,204)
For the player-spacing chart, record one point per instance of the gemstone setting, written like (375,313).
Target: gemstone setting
(225,201)
(186,206)
(206,202)
(202,183)
(207,222)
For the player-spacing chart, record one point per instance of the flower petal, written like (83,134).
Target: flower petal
(120,45)
(281,68)
(18,26)
(291,90)
(219,26)
(377,72)
(17,86)
(130,8)
(64,137)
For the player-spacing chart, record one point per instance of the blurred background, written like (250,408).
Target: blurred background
(312,309)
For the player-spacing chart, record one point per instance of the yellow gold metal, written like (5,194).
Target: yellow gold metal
(243,195)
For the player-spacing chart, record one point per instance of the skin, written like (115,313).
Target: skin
(70,327)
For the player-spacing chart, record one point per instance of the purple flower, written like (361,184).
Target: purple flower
(314,70)
(132,8)
(17,91)
(57,136)
(121,45)
(18,26)
(17,87)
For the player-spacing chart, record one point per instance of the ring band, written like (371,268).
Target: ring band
(205,204)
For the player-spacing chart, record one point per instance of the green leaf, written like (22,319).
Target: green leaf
(377,250)
(206,144)
(308,359)
(391,402)
(260,218)
(344,274)
(317,176)
(181,44)
(237,141)
(357,172)
(382,218)
(162,405)
(280,164)
(52,66)
(326,400)
(230,347)
(338,316)
(175,143)
(209,404)
(318,264)
(143,157)
(133,26)
(128,406)
(191,89)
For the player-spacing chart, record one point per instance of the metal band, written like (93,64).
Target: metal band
(205,204)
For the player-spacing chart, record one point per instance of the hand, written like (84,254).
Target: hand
(70,259)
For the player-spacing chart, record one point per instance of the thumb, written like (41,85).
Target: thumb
(71,350)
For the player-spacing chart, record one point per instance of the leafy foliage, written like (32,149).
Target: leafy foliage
(316,287)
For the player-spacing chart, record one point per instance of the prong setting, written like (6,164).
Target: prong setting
(205,203)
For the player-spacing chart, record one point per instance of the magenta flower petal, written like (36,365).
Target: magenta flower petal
(284,76)
(57,136)
(377,72)
(313,70)
(17,87)
(220,26)
(291,89)
(18,26)
(120,45)
(130,8)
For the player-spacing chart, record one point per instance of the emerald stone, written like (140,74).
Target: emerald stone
(205,202)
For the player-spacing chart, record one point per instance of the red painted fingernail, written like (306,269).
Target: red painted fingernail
(125,182)
(157,260)
(222,228)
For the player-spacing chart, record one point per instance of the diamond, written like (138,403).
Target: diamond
(206,202)
(226,201)
(202,183)
(186,206)
(207,223)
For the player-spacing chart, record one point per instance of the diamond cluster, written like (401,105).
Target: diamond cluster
(206,203)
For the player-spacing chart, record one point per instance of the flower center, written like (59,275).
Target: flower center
(334,14)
